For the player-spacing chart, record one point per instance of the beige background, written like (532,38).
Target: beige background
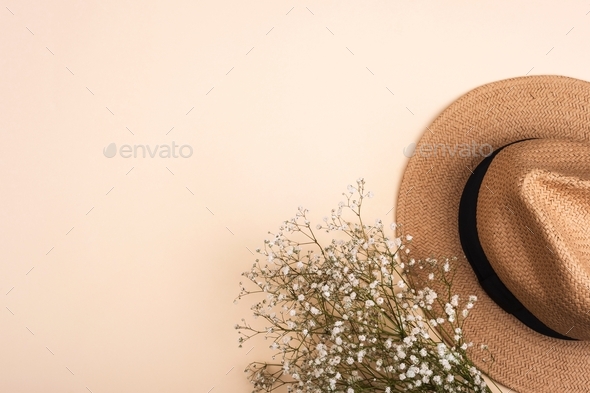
(137,297)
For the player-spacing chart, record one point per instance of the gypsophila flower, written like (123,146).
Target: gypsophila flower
(350,315)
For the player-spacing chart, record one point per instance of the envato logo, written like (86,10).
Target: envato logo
(444,150)
(162,151)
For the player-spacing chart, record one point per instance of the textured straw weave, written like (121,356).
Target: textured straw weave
(551,108)
(533,221)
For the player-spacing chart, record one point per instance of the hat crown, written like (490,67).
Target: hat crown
(533,221)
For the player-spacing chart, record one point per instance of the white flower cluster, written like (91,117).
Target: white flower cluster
(344,318)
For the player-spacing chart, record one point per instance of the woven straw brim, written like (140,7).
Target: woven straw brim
(496,114)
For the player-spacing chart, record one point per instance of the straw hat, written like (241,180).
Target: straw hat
(501,180)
